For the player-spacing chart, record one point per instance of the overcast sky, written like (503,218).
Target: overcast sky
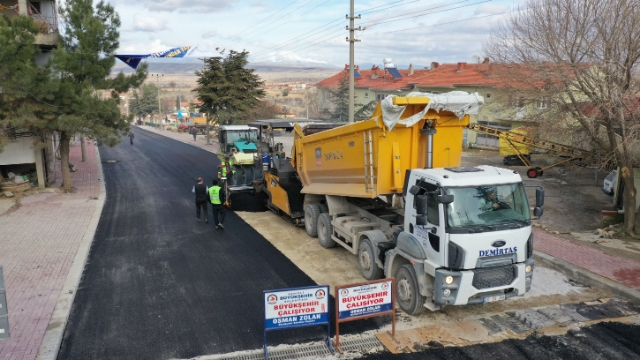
(313,31)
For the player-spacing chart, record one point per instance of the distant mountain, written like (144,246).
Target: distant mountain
(367,66)
(270,72)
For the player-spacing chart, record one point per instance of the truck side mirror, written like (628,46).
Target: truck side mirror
(445,199)
(421,205)
(421,220)
(414,190)
(538,211)
(539,197)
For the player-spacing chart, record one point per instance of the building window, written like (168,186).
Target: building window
(36,6)
(366,95)
(543,103)
(488,96)
(380,97)
(517,101)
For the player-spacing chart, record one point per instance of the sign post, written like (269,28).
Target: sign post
(296,307)
(365,300)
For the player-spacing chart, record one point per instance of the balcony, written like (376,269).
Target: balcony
(43,14)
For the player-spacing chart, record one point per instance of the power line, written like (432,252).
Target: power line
(283,44)
(398,18)
(422,12)
(280,18)
(326,38)
(295,1)
(370,10)
(446,23)
(326,1)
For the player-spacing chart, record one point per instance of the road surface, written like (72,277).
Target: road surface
(158,284)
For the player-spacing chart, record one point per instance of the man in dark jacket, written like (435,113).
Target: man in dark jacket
(201,191)
(218,198)
(194,132)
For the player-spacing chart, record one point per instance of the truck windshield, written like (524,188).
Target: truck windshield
(242,135)
(488,205)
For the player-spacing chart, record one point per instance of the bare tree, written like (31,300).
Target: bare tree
(580,56)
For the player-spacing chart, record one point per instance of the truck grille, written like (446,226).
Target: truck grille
(493,277)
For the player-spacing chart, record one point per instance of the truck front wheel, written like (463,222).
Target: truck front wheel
(409,298)
(311,213)
(325,230)
(366,257)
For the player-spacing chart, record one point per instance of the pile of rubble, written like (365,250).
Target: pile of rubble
(16,183)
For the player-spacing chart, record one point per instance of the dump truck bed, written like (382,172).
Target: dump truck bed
(370,158)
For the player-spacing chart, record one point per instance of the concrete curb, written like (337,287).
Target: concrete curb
(585,276)
(53,335)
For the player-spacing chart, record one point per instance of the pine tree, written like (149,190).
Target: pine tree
(340,101)
(83,61)
(22,83)
(340,98)
(146,104)
(227,89)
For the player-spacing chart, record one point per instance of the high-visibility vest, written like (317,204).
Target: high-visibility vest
(224,168)
(214,195)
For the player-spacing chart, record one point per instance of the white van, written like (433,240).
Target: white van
(609,183)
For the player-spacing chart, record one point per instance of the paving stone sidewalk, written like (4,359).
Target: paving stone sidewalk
(620,270)
(39,241)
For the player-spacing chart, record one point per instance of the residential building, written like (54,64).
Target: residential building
(26,152)
(376,83)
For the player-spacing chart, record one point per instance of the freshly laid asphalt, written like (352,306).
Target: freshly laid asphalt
(609,340)
(158,284)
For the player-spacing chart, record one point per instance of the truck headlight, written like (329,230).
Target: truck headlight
(448,280)
(528,268)
(446,292)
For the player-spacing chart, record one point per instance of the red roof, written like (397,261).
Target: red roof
(445,75)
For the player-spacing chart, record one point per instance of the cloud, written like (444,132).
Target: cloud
(288,58)
(146,47)
(147,23)
(259,4)
(189,6)
(209,33)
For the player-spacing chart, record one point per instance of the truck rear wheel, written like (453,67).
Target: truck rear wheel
(366,257)
(325,230)
(311,213)
(409,298)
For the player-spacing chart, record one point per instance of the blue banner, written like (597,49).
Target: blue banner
(134,60)
(172,53)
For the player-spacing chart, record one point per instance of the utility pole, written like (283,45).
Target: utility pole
(206,119)
(352,40)
(158,85)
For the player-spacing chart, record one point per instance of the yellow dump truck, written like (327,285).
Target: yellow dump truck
(391,190)
(198,121)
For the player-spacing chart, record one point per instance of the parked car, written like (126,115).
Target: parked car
(609,183)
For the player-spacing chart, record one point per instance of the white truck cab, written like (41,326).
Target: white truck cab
(466,239)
